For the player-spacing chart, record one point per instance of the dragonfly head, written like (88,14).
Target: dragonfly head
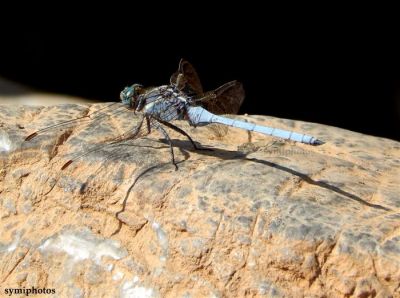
(130,94)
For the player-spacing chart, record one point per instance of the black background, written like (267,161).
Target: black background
(299,68)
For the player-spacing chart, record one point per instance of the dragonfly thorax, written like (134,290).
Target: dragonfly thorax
(165,103)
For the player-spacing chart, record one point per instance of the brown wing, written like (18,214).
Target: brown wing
(187,77)
(226,99)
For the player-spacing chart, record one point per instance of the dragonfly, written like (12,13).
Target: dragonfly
(182,99)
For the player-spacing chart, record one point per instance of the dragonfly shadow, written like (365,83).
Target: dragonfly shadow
(142,174)
(230,155)
(185,146)
(322,184)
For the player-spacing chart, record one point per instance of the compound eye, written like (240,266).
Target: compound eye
(129,93)
(122,95)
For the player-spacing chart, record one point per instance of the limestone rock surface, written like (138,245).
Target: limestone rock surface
(254,217)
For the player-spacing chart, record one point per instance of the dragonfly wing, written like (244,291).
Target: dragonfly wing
(142,129)
(226,99)
(218,131)
(192,84)
(109,110)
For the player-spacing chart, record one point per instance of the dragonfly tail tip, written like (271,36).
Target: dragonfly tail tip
(318,142)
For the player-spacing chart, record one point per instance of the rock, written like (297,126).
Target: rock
(15,93)
(254,217)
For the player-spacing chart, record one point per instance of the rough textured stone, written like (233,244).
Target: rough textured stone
(254,217)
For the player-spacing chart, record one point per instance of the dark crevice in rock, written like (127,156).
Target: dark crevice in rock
(207,257)
(20,259)
(317,273)
(330,249)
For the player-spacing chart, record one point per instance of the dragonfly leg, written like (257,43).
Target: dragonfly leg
(148,124)
(181,131)
(137,130)
(140,104)
(162,130)
(123,137)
